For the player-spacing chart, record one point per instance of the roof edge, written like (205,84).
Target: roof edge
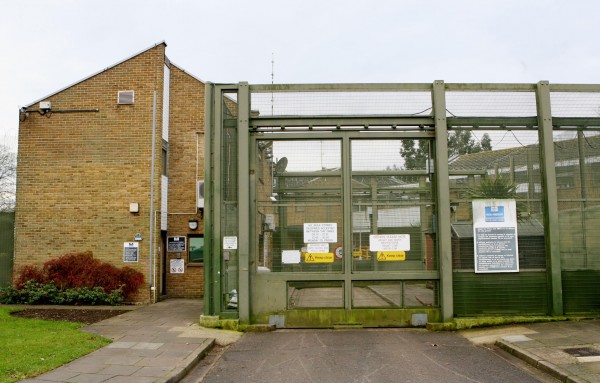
(188,73)
(96,73)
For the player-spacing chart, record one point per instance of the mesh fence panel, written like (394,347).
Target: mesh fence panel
(511,170)
(491,104)
(341,103)
(578,181)
(229,195)
(386,201)
(299,183)
(575,104)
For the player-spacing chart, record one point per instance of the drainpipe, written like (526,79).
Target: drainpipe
(151,252)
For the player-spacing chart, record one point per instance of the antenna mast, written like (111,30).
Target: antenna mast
(272,79)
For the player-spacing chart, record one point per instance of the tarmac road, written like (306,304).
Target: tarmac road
(382,355)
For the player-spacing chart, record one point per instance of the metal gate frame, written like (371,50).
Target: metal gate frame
(437,124)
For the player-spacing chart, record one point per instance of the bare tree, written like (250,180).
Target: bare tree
(8,173)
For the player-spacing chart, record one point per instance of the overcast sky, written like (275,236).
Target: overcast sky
(47,45)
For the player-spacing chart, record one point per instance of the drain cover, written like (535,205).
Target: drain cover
(582,351)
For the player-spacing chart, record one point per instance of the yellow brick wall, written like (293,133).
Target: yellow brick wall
(186,165)
(78,172)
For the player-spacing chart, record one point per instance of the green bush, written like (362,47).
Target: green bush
(35,293)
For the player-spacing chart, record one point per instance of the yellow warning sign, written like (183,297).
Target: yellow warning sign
(318,257)
(391,256)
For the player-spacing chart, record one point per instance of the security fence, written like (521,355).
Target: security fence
(372,202)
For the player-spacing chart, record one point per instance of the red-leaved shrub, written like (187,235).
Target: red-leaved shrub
(82,270)
(30,273)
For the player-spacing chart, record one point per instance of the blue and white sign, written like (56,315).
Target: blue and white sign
(495,236)
(494,213)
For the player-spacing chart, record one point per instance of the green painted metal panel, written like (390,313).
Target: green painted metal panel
(7,225)
(581,291)
(524,293)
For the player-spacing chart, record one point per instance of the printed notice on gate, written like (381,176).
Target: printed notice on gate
(495,236)
(320,232)
(389,242)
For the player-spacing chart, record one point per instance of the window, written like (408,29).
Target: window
(196,246)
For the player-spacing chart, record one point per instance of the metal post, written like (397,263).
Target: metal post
(444,245)
(209,159)
(551,223)
(244,202)
(217,199)
(583,192)
(347,219)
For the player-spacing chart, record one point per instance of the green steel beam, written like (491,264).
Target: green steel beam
(576,122)
(574,87)
(551,221)
(491,122)
(481,87)
(347,220)
(406,275)
(209,160)
(215,153)
(339,121)
(363,134)
(243,202)
(268,88)
(444,245)
(419,87)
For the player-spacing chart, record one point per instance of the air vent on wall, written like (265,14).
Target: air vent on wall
(125,97)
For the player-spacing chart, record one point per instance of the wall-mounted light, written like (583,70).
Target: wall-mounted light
(134,207)
(193,224)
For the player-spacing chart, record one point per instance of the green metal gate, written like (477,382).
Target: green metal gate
(306,182)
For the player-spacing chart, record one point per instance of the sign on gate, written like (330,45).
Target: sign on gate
(320,232)
(495,236)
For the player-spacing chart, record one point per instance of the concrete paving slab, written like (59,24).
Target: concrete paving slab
(156,343)
(547,350)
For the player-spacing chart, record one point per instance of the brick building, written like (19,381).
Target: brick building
(112,164)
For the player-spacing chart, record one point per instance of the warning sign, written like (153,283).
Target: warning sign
(385,256)
(318,257)
(177,266)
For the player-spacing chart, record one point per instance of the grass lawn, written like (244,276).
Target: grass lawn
(30,347)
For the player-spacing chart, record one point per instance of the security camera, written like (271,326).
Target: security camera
(23,109)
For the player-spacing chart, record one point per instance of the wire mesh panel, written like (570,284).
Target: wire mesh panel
(299,191)
(507,168)
(229,200)
(341,103)
(570,104)
(494,104)
(392,201)
(578,180)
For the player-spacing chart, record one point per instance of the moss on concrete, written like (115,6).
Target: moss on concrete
(466,323)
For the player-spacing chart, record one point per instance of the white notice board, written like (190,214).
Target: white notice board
(495,236)
(389,242)
(320,232)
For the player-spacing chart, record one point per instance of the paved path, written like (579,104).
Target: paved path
(361,356)
(569,351)
(162,343)
(155,343)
